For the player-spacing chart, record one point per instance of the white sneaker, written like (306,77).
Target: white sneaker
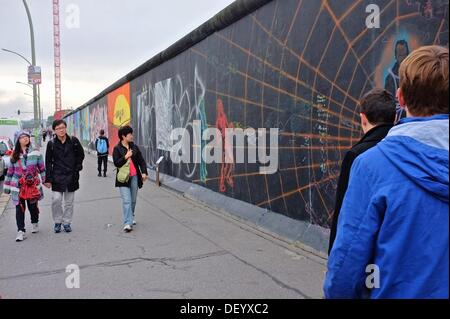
(134,222)
(20,236)
(34,228)
(127,228)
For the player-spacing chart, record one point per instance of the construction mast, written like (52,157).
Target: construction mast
(57,58)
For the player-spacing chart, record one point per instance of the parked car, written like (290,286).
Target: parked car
(6,149)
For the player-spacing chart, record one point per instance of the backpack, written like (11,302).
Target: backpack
(29,185)
(101,146)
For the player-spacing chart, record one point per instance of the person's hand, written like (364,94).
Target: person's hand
(144,177)
(48,185)
(129,154)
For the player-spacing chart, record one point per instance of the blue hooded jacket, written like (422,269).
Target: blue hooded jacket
(395,216)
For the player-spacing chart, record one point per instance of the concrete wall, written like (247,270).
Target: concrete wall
(299,66)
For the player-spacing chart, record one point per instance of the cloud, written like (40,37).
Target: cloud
(114,37)
(8,108)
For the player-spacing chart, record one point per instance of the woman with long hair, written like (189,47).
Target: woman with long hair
(23,183)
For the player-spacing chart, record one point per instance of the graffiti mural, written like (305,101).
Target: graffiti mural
(164,105)
(227,165)
(143,120)
(298,66)
(84,127)
(76,125)
(98,119)
(69,121)
(119,112)
(164,109)
(430,27)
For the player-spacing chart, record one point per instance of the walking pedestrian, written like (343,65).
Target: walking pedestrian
(102,147)
(63,161)
(131,174)
(24,182)
(377,113)
(392,233)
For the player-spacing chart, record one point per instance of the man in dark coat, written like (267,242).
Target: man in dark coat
(63,163)
(377,112)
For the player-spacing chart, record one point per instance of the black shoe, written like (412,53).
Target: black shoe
(57,228)
(99,175)
(104,174)
(67,228)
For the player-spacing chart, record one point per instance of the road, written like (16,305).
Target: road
(179,249)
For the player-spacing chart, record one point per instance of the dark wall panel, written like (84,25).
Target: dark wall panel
(299,66)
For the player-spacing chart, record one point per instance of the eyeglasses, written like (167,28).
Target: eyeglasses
(60,128)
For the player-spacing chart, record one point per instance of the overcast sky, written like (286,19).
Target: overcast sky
(113,38)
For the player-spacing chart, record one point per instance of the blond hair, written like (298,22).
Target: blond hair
(424,81)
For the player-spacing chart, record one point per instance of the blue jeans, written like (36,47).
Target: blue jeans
(129,196)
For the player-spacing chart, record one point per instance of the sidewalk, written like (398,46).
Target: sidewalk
(179,249)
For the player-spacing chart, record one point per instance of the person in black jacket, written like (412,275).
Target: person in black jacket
(63,163)
(377,112)
(124,151)
(102,155)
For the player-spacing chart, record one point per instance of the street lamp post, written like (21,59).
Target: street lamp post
(36,108)
(36,89)
(32,87)
(39,98)
(18,54)
(23,83)
(41,111)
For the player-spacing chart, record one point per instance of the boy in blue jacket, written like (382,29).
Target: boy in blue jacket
(392,238)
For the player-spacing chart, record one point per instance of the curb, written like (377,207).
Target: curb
(308,237)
